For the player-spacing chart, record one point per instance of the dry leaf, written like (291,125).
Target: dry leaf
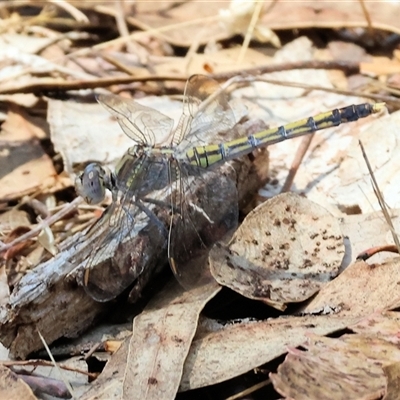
(381,324)
(13,219)
(360,289)
(285,251)
(237,18)
(25,165)
(217,356)
(46,239)
(354,187)
(11,387)
(368,230)
(108,386)
(189,21)
(215,62)
(160,342)
(349,367)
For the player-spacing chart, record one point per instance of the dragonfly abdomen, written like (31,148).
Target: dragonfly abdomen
(205,156)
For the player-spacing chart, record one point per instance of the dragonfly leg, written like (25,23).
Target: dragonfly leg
(153,218)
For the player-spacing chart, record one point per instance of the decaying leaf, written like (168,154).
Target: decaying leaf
(285,251)
(161,338)
(216,356)
(350,367)
(382,324)
(368,230)
(149,364)
(360,289)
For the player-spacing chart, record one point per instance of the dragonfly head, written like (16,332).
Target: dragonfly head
(92,183)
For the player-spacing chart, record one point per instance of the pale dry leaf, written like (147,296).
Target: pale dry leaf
(277,102)
(382,324)
(33,258)
(181,24)
(355,186)
(11,387)
(325,13)
(219,355)
(217,62)
(4,353)
(22,126)
(161,338)
(360,289)
(12,219)
(368,230)
(108,386)
(349,367)
(28,44)
(46,239)
(27,100)
(379,66)
(285,251)
(19,64)
(25,167)
(345,51)
(237,18)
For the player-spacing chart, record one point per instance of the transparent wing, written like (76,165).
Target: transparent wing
(206,114)
(142,124)
(104,278)
(207,212)
(128,229)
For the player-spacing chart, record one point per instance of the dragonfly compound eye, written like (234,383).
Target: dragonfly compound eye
(90,184)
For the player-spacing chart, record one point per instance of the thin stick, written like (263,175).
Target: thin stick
(250,30)
(66,382)
(251,389)
(380,198)
(43,224)
(301,151)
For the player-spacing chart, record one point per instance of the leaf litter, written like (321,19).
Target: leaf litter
(181,352)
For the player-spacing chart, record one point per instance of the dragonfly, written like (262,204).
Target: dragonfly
(201,202)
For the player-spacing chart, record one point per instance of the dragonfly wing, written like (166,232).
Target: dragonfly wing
(142,124)
(206,113)
(104,277)
(131,228)
(206,211)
